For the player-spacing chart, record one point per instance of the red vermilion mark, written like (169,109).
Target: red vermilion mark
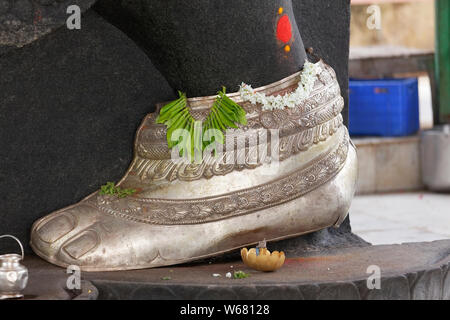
(284,29)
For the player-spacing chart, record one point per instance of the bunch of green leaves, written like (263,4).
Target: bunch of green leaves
(240,275)
(224,114)
(175,115)
(111,189)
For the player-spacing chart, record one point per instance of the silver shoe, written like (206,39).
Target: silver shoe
(187,211)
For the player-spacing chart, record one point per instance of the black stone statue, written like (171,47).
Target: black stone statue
(200,45)
(71,100)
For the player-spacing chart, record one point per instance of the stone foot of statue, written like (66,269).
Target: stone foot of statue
(185,212)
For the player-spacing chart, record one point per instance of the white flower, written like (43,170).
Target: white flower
(305,86)
(228,275)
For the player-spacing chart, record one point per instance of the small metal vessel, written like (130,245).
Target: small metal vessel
(435,154)
(13,275)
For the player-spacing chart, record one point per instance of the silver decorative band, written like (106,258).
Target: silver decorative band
(311,122)
(201,210)
(166,169)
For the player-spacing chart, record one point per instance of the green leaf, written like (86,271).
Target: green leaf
(240,275)
(171,109)
(191,135)
(224,114)
(110,189)
(179,123)
(226,119)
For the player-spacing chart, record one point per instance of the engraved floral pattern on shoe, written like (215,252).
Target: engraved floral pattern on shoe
(157,170)
(169,212)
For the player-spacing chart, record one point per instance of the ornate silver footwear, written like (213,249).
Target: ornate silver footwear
(187,211)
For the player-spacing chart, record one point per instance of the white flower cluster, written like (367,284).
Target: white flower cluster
(291,100)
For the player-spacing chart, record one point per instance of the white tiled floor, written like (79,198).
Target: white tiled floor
(401,217)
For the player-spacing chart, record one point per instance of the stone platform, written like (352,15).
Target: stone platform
(408,271)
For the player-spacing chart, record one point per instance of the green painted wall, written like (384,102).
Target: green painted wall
(443,58)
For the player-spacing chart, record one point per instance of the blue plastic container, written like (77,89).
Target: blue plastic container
(385,107)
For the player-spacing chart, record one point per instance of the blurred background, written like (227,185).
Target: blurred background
(398,118)
(404,23)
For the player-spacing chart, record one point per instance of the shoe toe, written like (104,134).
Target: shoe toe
(55,228)
(50,234)
(83,243)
